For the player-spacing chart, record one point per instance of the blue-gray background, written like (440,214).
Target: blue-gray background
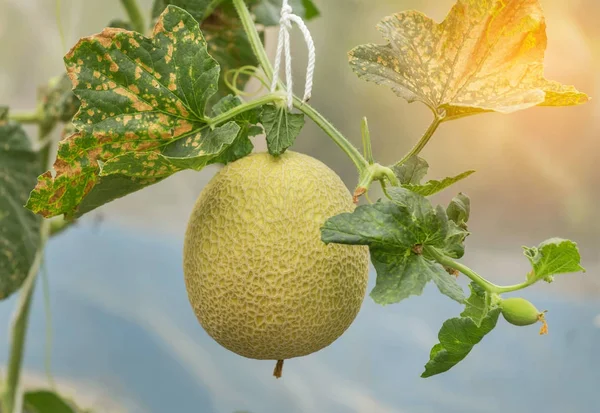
(125,339)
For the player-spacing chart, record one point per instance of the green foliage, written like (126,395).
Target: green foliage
(58,103)
(45,401)
(551,257)
(228,43)
(20,235)
(411,172)
(485,56)
(281,127)
(248,122)
(459,210)
(397,231)
(433,186)
(457,338)
(150,107)
(478,305)
(138,106)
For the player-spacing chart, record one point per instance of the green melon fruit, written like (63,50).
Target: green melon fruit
(258,276)
(520,312)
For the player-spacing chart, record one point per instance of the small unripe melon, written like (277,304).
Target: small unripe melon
(520,312)
(258,276)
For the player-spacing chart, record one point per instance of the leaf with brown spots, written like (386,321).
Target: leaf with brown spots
(226,38)
(20,234)
(139,97)
(487,55)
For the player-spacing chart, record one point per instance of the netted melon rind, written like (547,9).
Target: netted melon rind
(258,276)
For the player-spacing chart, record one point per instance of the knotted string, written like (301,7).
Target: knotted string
(283,45)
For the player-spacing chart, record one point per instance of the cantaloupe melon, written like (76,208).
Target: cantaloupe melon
(258,276)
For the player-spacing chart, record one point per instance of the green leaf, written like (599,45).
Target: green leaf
(455,240)
(412,171)
(446,283)
(485,56)
(459,210)
(45,401)
(139,97)
(396,232)
(400,276)
(59,104)
(433,186)
(553,256)
(20,235)
(281,127)
(248,123)
(457,338)
(477,306)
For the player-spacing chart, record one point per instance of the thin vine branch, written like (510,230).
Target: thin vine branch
(26,117)
(19,327)
(437,120)
(482,282)
(135,15)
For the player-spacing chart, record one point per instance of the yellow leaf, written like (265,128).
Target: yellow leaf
(487,55)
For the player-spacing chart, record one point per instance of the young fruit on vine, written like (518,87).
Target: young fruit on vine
(520,312)
(260,280)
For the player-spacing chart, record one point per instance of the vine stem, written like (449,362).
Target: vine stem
(257,47)
(312,113)
(26,117)
(230,114)
(482,282)
(19,326)
(359,161)
(135,15)
(21,317)
(437,120)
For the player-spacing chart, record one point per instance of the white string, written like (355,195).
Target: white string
(283,45)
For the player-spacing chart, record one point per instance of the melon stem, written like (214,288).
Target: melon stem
(278,369)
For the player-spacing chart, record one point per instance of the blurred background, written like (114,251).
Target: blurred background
(125,339)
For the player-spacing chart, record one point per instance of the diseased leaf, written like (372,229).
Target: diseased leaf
(45,401)
(193,152)
(397,232)
(412,171)
(281,127)
(139,96)
(20,234)
(477,306)
(433,186)
(485,56)
(553,256)
(457,338)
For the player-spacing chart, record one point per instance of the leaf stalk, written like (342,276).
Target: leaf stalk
(482,282)
(135,15)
